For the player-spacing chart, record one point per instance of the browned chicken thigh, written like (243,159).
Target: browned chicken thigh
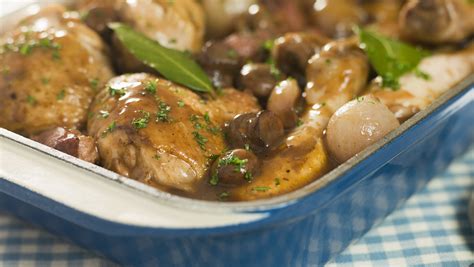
(51,65)
(160,133)
(175,24)
(437,21)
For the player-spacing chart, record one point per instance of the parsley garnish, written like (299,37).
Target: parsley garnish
(109,129)
(163,112)
(142,122)
(261,188)
(117,92)
(151,87)
(201,140)
(60,95)
(31,100)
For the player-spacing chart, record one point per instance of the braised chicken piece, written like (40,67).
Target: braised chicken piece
(160,133)
(336,74)
(51,66)
(440,73)
(174,24)
(437,21)
(71,142)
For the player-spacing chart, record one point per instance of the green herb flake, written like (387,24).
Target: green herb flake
(214,181)
(200,139)
(261,189)
(299,122)
(109,129)
(141,122)
(150,87)
(231,53)
(390,58)
(94,83)
(45,80)
(224,196)
(31,100)
(180,103)
(116,91)
(277,181)
(60,95)
(26,48)
(163,112)
(268,45)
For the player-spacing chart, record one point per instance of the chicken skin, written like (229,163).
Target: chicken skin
(160,133)
(50,66)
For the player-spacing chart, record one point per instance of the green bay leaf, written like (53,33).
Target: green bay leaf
(390,58)
(174,65)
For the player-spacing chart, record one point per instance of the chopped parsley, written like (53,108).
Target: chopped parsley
(261,188)
(116,91)
(151,87)
(94,83)
(224,196)
(142,122)
(180,103)
(299,122)
(200,139)
(109,129)
(277,181)
(231,53)
(214,180)
(60,95)
(44,80)
(163,112)
(31,100)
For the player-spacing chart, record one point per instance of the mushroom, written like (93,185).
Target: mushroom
(283,101)
(261,132)
(221,62)
(234,168)
(357,125)
(260,79)
(293,50)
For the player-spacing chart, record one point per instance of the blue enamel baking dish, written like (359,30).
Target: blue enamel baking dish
(133,224)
